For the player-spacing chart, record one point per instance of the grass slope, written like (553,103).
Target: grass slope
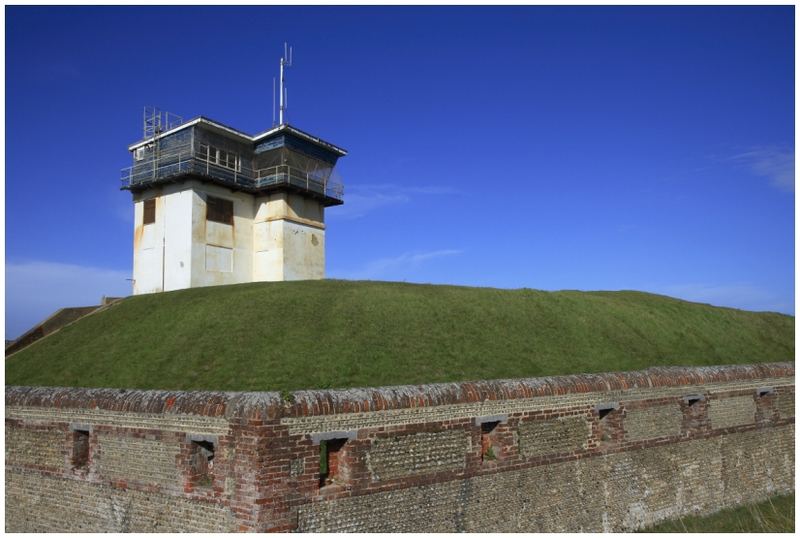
(291,335)
(773,515)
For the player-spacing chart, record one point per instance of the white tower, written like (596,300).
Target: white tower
(214,205)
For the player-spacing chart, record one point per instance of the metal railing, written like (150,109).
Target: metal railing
(186,163)
(310,181)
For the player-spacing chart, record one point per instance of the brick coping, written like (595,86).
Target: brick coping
(271,405)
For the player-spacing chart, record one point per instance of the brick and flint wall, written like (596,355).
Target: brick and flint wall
(599,452)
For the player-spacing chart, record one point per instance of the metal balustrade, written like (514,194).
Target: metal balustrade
(174,165)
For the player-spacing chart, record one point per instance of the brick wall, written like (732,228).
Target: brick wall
(418,453)
(554,436)
(660,420)
(733,411)
(573,453)
(148,461)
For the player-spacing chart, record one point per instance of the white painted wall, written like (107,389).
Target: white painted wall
(162,250)
(288,238)
(177,219)
(276,237)
(303,251)
(221,253)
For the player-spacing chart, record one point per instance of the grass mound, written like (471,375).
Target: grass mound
(773,515)
(292,335)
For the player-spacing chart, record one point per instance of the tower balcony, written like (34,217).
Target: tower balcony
(325,185)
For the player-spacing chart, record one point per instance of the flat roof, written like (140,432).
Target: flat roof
(240,134)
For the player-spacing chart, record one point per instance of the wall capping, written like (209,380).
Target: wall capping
(335,401)
(420,458)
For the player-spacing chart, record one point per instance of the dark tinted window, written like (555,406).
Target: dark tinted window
(219,210)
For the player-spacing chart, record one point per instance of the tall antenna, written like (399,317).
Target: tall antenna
(286,61)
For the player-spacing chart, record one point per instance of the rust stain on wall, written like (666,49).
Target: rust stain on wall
(137,236)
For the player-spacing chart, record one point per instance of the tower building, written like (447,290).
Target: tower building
(214,205)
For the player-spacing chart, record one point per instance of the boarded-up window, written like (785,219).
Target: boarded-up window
(219,210)
(149,211)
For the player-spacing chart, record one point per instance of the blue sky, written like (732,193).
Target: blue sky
(647,148)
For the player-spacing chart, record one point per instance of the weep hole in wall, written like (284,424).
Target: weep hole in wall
(765,391)
(490,445)
(608,425)
(80,447)
(693,399)
(605,409)
(332,452)
(201,461)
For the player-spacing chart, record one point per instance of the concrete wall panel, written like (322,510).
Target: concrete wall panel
(272,238)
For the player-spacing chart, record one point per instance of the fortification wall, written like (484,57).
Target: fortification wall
(574,453)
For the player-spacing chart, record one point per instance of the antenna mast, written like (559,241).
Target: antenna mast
(286,61)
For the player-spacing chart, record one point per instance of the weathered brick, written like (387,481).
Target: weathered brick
(785,404)
(418,453)
(544,437)
(142,460)
(734,411)
(623,491)
(35,447)
(654,421)
(416,459)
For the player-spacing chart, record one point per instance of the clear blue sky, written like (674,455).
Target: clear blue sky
(646,148)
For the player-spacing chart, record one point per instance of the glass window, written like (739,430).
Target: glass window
(219,156)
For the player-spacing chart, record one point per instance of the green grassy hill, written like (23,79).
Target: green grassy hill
(773,515)
(292,335)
